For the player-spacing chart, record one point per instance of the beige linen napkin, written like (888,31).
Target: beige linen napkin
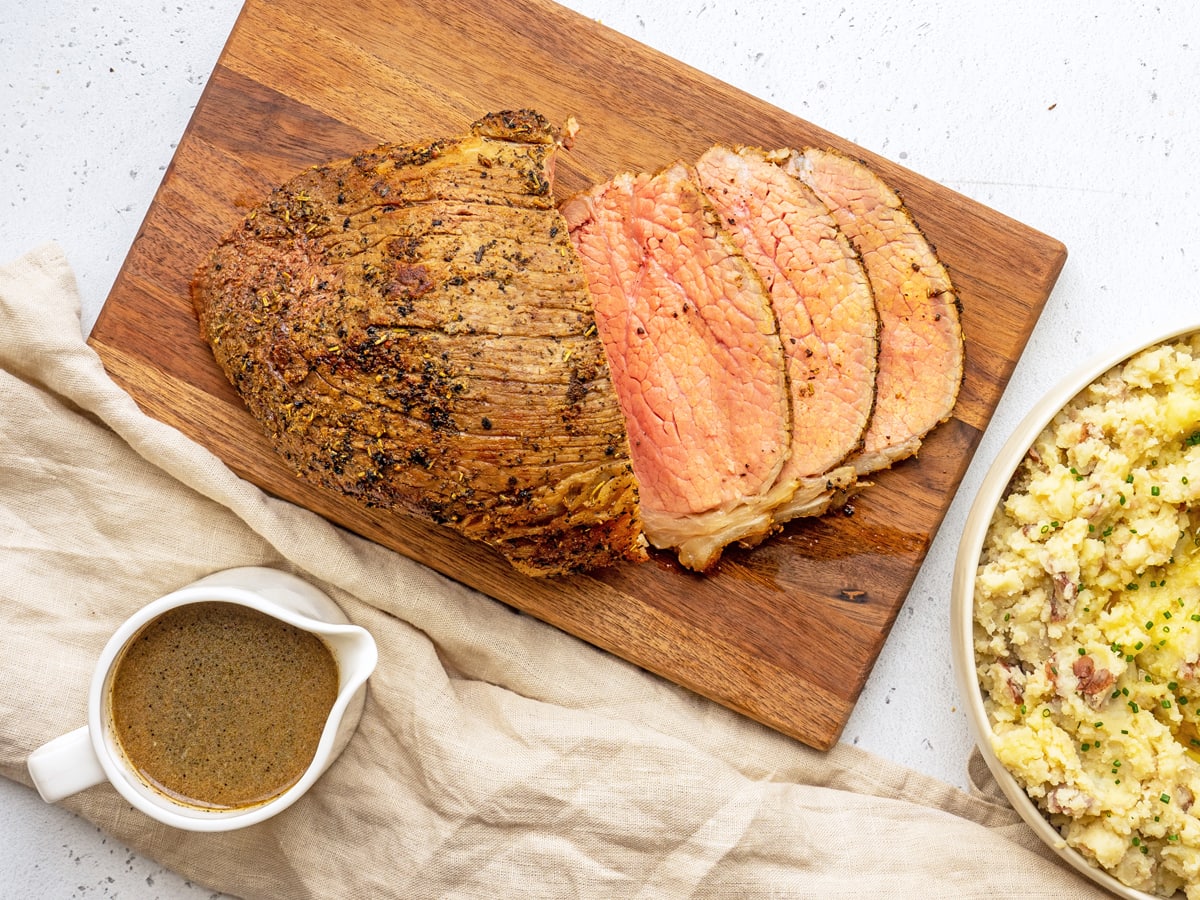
(496,757)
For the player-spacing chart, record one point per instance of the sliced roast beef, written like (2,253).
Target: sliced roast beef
(412,328)
(921,344)
(825,310)
(695,356)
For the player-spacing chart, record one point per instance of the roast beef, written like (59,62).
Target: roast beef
(689,358)
(696,359)
(921,344)
(825,310)
(412,328)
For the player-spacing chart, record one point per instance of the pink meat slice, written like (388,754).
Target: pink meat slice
(825,309)
(695,357)
(921,343)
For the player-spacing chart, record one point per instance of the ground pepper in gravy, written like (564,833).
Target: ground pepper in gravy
(220,706)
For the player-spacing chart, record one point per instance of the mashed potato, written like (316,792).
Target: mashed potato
(1087,621)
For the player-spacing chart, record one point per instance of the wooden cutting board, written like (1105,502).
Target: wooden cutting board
(785,634)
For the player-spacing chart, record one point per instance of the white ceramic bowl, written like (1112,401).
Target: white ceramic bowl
(991,492)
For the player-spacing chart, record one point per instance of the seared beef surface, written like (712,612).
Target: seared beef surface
(412,328)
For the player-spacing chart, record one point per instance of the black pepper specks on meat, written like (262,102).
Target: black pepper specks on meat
(433,353)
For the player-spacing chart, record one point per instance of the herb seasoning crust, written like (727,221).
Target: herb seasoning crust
(412,328)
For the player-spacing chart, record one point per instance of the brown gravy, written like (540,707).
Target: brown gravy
(220,706)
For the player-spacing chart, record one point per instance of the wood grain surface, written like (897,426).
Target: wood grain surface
(785,634)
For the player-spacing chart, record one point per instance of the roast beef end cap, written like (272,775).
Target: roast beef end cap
(522,125)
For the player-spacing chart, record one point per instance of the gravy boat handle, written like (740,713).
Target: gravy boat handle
(65,765)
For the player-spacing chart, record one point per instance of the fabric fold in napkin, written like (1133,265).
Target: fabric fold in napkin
(496,756)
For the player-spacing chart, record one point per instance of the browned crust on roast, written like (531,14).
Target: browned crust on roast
(412,328)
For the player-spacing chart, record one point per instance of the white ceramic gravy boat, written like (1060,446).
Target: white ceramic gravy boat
(91,754)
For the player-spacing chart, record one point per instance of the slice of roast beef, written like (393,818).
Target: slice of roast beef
(826,313)
(921,343)
(412,328)
(695,356)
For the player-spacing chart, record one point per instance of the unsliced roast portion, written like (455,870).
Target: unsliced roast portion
(921,343)
(412,328)
(695,356)
(826,313)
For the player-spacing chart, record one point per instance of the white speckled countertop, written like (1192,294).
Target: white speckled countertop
(1078,119)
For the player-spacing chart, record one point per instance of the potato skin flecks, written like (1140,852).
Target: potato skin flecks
(1087,621)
